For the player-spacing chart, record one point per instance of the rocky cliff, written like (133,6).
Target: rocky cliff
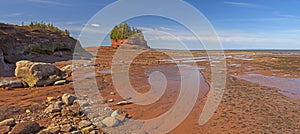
(132,42)
(25,43)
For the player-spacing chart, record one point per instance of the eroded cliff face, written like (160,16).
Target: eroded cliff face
(132,42)
(5,70)
(25,43)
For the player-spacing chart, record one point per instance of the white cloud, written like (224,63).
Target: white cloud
(95,25)
(13,15)
(242,4)
(52,2)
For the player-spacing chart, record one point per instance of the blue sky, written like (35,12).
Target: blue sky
(243,24)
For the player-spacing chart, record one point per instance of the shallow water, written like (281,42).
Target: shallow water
(289,87)
(105,71)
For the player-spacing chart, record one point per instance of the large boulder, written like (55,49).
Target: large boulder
(37,73)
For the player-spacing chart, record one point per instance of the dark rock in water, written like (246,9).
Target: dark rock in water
(4,83)
(27,127)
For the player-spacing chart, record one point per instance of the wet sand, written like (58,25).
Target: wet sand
(246,107)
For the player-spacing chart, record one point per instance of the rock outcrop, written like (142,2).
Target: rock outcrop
(25,43)
(37,73)
(134,42)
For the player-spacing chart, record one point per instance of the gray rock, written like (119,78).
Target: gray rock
(84,123)
(116,113)
(111,100)
(68,99)
(55,107)
(8,122)
(124,102)
(103,101)
(16,83)
(27,127)
(82,103)
(60,82)
(110,122)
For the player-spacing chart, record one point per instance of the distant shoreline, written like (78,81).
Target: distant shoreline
(259,50)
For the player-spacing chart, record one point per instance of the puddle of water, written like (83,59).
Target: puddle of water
(240,58)
(289,87)
(235,65)
(187,60)
(106,71)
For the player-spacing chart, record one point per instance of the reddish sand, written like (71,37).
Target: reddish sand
(245,108)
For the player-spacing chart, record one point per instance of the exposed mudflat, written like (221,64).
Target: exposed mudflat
(250,104)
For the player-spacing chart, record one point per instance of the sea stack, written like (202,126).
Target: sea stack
(128,37)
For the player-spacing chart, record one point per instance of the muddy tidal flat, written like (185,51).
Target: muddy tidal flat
(261,94)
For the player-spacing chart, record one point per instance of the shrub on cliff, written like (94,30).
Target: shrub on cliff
(124,31)
(49,26)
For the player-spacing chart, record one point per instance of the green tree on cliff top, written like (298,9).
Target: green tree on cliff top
(124,31)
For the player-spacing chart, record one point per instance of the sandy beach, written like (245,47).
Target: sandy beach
(249,105)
